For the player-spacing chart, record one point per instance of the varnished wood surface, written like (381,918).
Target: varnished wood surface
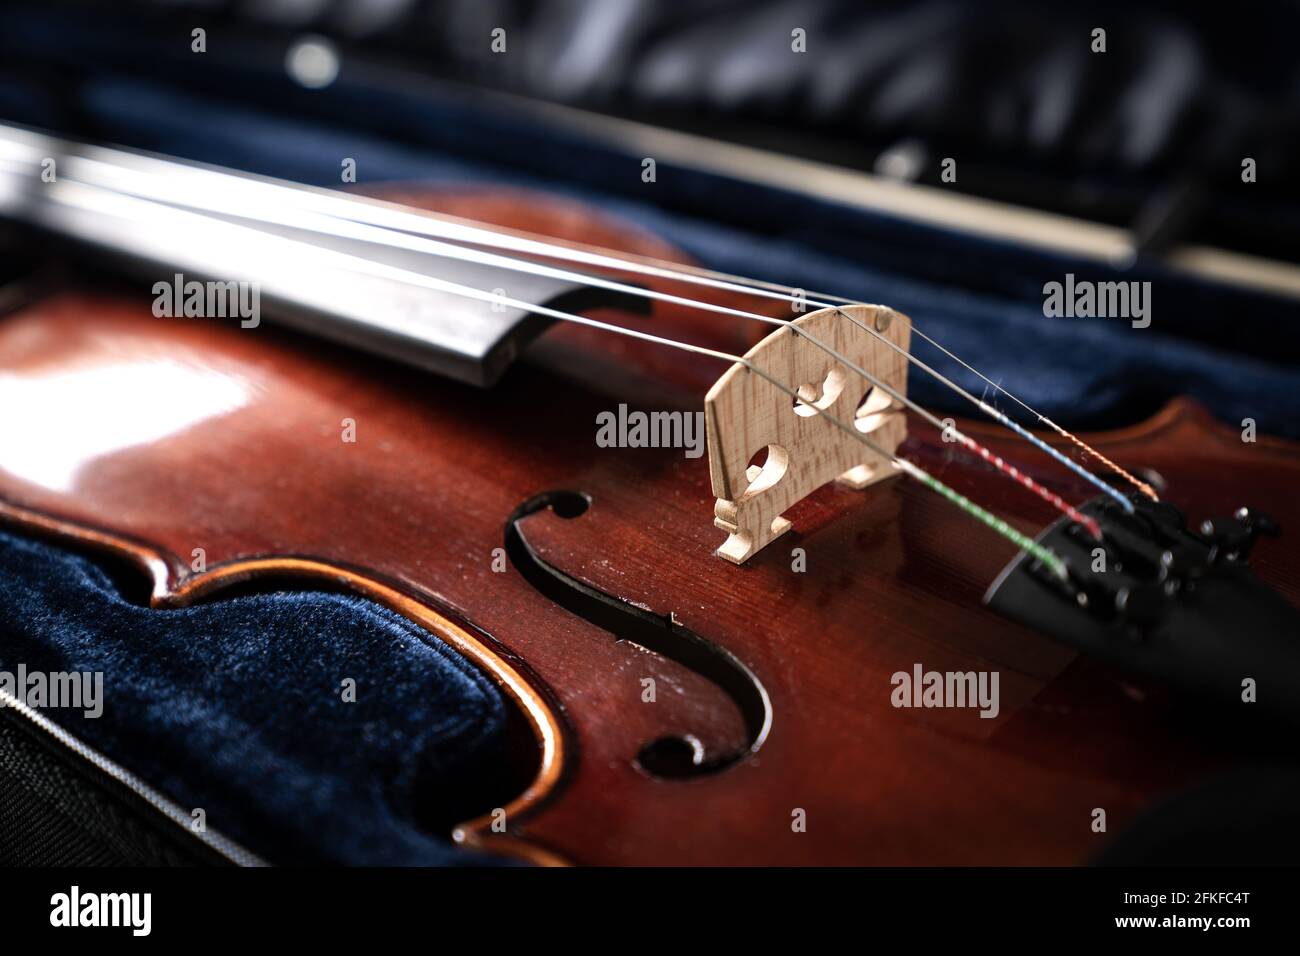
(419,502)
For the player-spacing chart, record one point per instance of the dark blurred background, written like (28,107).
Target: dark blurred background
(1148,135)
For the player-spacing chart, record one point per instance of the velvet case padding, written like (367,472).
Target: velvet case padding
(236,706)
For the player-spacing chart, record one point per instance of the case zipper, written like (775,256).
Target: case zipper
(223,845)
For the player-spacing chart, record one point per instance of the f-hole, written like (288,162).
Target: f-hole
(671,757)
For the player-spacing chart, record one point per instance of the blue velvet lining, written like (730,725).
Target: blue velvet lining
(236,706)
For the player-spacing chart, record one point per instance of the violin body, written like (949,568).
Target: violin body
(237,443)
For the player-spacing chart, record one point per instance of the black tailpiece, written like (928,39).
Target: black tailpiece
(1160,600)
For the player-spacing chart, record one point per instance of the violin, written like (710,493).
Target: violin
(748,602)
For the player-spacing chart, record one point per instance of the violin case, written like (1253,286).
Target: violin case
(196,711)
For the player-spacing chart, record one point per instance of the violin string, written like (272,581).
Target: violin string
(965,440)
(365,232)
(1048,558)
(761,287)
(1001,418)
(1136,482)
(478,234)
(686,272)
(392,217)
(738,284)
